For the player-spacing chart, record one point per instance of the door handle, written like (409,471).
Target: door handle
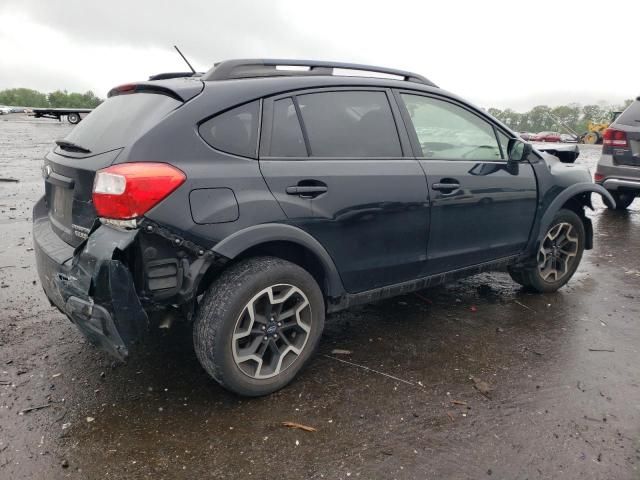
(446,187)
(306,191)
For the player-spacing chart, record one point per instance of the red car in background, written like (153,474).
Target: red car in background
(547,137)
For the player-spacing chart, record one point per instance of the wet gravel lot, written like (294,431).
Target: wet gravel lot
(561,369)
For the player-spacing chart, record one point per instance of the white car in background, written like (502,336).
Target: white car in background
(5,110)
(567,138)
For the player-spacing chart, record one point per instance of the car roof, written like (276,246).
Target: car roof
(271,85)
(238,81)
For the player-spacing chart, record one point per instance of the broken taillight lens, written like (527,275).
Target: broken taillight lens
(130,190)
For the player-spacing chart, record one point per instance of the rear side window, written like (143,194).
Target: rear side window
(349,124)
(631,116)
(234,131)
(286,136)
(120,120)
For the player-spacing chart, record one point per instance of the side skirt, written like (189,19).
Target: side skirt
(351,299)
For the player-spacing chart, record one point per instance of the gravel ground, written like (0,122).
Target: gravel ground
(562,368)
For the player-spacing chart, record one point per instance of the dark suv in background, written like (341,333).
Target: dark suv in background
(254,198)
(619,165)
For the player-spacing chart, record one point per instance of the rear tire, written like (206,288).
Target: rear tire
(623,199)
(558,257)
(73,118)
(258,325)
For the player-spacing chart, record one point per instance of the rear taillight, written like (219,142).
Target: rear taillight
(598,177)
(615,138)
(129,190)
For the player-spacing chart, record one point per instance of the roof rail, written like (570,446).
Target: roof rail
(250,68)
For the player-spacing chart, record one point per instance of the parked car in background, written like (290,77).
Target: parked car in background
(568,138)
(547,137)
(618,169)
(5,110)
(527,136)
(252,200)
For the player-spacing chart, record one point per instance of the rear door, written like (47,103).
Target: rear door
(343,172)
(482,207)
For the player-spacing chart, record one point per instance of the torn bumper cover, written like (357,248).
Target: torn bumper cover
(90,285)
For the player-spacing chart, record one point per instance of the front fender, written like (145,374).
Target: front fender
(575,190)
(240,241)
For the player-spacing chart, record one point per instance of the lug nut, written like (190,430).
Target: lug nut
(275,335)
(266,338)
(177,241)
(263,327)
(279,324)
(149,228)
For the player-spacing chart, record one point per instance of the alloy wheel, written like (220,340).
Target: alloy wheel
(557,252)
(272,331)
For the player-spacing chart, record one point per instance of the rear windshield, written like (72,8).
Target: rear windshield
(121,119)
(631,116)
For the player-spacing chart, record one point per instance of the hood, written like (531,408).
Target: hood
(564,153)
(565,174)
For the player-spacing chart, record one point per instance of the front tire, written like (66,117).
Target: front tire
(558,257)
(623,199)
(73,118)
(258,325)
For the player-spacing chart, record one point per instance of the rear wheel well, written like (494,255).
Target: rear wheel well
(290,251)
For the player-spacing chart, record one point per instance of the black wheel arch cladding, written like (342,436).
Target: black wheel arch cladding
(243,240)
(579,193)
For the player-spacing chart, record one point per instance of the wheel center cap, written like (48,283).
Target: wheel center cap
(272,328)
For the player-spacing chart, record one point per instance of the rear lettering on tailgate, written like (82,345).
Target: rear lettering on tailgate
(79,231)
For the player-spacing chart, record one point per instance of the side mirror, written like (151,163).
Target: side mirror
(519,150)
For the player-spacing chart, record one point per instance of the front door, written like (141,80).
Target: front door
(482,206)
(342,171)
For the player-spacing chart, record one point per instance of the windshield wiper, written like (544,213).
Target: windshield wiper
(71,147)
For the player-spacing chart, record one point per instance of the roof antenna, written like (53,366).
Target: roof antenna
(184,58)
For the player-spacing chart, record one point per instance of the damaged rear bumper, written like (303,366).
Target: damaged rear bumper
(90,284)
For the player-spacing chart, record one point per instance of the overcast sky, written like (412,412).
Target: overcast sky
(502,54)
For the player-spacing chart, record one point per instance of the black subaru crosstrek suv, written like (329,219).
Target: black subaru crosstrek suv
(254,198)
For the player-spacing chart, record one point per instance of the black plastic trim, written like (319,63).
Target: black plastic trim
(349,299)
(237,243)
(575,190)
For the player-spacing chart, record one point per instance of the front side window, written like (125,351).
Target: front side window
(448,132)
(504,143)
(234,131)
(349,124)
